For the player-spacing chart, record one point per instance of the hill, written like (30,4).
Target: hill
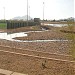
(22,18)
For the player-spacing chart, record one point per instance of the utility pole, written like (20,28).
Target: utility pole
(43,13)
(27,12)
(4,12)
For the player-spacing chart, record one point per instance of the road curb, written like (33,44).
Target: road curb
(7,72)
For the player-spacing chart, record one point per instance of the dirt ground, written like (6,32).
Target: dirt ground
(38,58)
(45,35)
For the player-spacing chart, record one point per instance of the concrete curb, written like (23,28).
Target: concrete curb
(7,72)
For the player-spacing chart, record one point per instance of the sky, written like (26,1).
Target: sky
(53,9)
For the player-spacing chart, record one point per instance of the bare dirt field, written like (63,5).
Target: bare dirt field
(38,58)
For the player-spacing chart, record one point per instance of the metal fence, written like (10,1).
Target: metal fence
(18,24)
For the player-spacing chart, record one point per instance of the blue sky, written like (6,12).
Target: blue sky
(54,9)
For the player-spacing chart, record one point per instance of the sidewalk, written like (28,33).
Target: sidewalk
(7,72)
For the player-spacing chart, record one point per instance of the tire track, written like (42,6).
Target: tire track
(39,57)
(37,53)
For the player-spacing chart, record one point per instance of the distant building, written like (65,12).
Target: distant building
(36,19)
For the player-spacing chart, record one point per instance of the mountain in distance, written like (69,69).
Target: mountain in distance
(22,18)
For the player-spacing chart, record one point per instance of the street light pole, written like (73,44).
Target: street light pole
(43,13)
(4,12)
(27,12)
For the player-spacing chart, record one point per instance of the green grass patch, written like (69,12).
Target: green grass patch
(3,25)
(71,36)
(72,50)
